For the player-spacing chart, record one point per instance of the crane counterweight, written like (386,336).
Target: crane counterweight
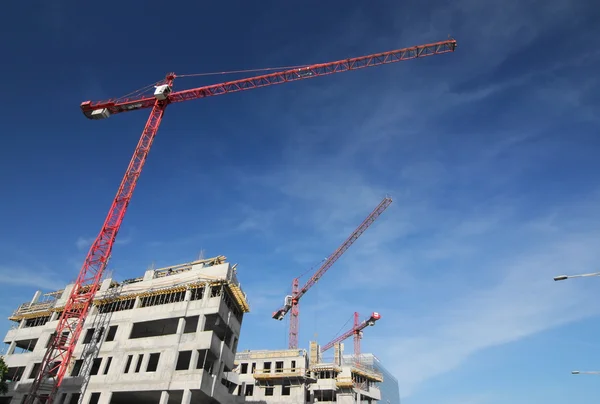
(100,113)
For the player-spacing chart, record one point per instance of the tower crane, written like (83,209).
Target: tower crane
(60,350)
(291,301)
(356,331)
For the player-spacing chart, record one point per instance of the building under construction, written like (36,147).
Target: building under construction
(166,337)
(295,376)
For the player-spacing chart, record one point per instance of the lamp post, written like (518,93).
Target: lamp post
(565,277)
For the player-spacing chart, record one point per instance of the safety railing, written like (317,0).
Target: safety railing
(262,374)
(283,353)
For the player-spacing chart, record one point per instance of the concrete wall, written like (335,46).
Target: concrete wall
(296,388)
(202,342)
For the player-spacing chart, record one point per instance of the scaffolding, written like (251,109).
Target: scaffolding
(282,376)
(369,374)
(367,371)
(344,383)
(38,309)
(161,293)
(177,269)
(325,367)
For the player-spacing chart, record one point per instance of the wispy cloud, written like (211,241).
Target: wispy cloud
(40,278)
(518,299)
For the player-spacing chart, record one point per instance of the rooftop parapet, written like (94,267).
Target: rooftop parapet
(159,282)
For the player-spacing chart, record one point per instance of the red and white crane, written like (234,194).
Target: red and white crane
(291,301)
(60,351)
(356,331)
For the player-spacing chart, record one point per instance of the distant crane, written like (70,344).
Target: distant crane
(291,301)
(356,331)
(60,350)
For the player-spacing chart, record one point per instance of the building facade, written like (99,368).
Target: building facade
(167,337)
(390,392)
(289,376)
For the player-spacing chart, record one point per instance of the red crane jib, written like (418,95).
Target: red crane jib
(60,351)
(115,106)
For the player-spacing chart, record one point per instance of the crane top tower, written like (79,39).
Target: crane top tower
(59,352)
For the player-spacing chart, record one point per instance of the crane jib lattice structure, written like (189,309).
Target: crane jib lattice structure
(356,331)
(60,351)
(292,301)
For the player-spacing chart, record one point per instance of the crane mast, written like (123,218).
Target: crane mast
(59,353)
(356,331)
(291,301)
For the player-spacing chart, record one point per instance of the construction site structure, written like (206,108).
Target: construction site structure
(168,336)
(390,393)
(291,302)
(288,376)
(60,350)
(356,331)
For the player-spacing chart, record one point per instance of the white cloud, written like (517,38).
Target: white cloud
(42,279)
(523,301)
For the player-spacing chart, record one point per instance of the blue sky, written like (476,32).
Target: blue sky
(490,154)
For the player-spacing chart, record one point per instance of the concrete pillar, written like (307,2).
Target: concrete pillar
(149,275)
(187,396)
(105,397)
(194,359)
(11,348)
(137,303)
(164,397)
(181,326)
(188,295)
(86,397)
(105,286)
(201,323)
(145,361)
(68,397)
(36,297)
(65,295)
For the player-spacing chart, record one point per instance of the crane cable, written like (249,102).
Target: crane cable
(340,330)
(140,91)
(265,69)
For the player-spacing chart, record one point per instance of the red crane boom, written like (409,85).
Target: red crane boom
(118,105)
(356,331)
(291,302)
(60,351)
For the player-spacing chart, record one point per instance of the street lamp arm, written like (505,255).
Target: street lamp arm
(585,372)
(565,277)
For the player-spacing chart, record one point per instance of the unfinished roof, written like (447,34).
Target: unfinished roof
(155,282)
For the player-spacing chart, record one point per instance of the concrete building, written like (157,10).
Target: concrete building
(167,337)
(390,392)
(290,376)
